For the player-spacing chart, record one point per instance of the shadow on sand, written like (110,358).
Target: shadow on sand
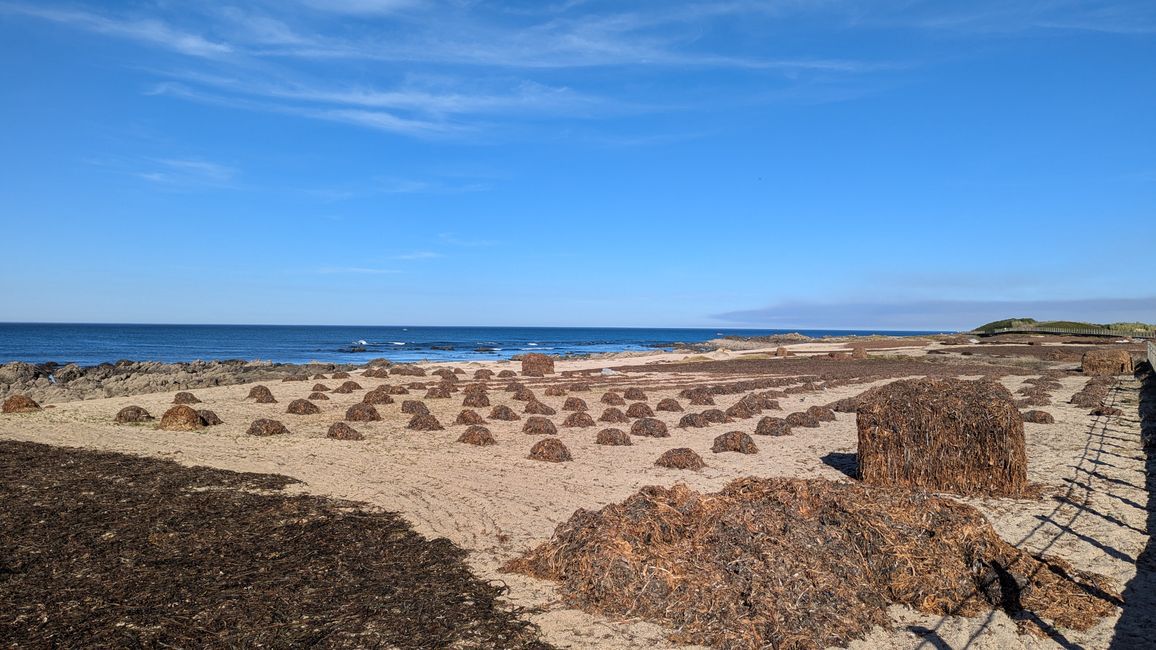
(1137,625)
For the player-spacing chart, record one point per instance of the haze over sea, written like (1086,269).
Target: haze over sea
(91,344)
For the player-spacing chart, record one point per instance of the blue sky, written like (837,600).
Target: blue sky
(826,163)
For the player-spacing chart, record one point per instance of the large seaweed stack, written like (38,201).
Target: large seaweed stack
(943,435)
(537,365)
(800,563)
(1106,362)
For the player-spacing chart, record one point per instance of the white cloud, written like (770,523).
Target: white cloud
(148,30)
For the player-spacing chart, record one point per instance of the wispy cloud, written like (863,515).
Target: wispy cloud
(145,30)
(355,270)
(418,255)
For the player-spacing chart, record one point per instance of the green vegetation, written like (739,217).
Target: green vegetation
(1031,323)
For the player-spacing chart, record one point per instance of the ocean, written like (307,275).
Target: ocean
(92,344)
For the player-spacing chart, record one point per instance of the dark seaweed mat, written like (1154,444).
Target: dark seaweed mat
(110,550)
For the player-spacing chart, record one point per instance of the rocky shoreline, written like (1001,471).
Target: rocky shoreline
(50,382)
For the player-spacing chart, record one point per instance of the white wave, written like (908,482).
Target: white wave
(398,342)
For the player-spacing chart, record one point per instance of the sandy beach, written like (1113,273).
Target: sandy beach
(496,503)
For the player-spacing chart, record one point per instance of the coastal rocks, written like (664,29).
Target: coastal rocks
(55,383)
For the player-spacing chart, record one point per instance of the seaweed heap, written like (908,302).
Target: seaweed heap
(1106,362)
(943,435)
(801,563)
(106,550)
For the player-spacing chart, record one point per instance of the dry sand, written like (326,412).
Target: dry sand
(496,503)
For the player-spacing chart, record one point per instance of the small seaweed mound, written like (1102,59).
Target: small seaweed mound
(634,394)
(681,458)
(822,413)
(209,418)
(693,421)
(613,415)
(478,435)
(538,425)
(318,396)
(550,450)
(769,426)
(469,417)
(578,419)
(612,399)
(424,422)
(574,404)
(185,398)
(262,394)
(1038,417)
(132,415)
(342,431)
(538,408)
(266,427)
(347,387)
(555,391)
(302,407)
(669,404)
(476,399)
(639,410)
(734,441)
(650,428)
(413,407)
(613,437)
(180,418)
(379,395)
(362,413)
(503,412)
(803,419)
(668,555)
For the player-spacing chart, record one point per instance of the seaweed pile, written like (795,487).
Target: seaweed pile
(110,550)
(797,563)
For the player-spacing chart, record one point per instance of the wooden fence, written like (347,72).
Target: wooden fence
(1078,331)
